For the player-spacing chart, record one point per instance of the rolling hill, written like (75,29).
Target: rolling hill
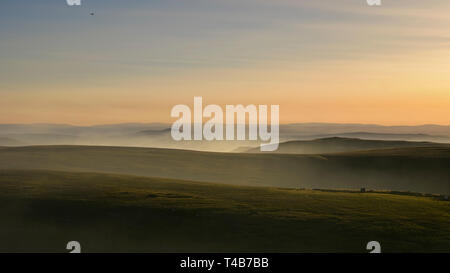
(341,144)
(41,211)
(416,169)
(6,141)
(157,135)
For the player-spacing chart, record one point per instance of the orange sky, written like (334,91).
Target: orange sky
(320,62)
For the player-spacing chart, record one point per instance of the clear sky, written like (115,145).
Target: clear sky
(321,61)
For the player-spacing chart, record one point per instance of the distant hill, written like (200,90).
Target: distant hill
(376,136)
(157,135)
(307,129)
(340,144)
(165,131)
(385,136)
(42,139)
(417,169)
(6,141)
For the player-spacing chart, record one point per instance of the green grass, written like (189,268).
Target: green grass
(41,211)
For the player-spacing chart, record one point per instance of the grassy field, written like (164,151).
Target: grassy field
(424,169)
(41,211)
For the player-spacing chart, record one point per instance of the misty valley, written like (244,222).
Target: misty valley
(326,194)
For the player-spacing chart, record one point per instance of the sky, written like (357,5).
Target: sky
(133,60)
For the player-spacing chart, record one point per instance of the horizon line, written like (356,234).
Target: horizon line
(168,123)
